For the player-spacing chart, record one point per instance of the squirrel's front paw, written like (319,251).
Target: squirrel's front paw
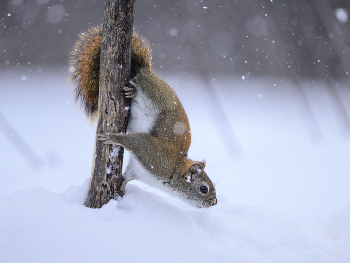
(107,138)
(129,90)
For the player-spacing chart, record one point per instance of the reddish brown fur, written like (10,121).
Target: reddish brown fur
(85,66)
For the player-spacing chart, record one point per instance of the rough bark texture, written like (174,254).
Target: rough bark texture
(106,175)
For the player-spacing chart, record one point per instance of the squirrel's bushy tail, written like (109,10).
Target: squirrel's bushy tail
(85,66)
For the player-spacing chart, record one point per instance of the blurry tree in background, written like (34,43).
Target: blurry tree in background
(304,38)
(285,39)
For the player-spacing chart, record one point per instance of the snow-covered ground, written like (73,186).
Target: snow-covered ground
(284,198)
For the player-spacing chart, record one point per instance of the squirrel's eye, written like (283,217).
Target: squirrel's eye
(203,189)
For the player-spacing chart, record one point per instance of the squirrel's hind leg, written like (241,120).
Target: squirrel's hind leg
(154,154)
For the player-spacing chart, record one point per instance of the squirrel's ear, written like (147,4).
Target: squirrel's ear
(196,167)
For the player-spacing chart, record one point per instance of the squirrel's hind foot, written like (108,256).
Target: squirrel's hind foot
(108,138)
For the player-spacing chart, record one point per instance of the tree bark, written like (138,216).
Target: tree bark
(106,181)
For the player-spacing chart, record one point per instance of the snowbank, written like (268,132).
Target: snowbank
(37,225)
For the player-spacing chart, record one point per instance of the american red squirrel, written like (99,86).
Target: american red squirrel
(158,134)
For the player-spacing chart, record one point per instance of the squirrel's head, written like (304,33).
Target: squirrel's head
(197,187)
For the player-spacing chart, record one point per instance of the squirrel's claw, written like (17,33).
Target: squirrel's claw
(102,137)
(107,138)
(108,142)
(129,90)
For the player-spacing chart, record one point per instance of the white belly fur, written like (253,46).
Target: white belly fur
(135,170)
(143,113)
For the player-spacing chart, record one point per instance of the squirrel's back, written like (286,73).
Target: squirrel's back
(85,66)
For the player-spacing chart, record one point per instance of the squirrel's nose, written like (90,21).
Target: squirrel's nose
(214,202)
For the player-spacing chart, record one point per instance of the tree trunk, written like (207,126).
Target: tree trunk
(106,175)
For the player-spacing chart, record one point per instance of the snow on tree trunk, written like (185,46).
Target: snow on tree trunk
(106,175)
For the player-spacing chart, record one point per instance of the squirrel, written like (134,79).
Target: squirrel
(158,134)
